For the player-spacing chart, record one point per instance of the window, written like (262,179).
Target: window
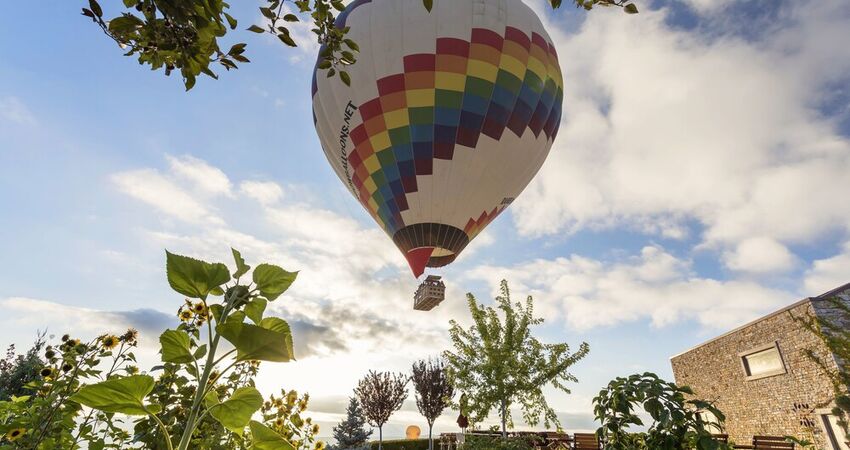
(834,434)
(764,361)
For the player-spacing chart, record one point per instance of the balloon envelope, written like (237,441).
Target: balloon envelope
(449,116)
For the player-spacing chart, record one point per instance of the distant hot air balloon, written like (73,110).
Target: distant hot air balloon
(449,115)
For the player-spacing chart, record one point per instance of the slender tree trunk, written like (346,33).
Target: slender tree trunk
(504,420)
(430,439)
(380,438)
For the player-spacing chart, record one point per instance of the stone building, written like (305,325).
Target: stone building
(760,376)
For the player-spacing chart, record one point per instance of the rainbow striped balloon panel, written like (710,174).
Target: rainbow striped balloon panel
(488,85)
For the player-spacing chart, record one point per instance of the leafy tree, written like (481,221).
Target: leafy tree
(381,394)
(677,423)
(434,391)
(498,363)
(184,35)
(18,370)
(351,433)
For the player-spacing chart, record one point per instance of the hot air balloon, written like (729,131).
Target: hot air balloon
(449,115)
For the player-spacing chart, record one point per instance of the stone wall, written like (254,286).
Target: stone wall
(766,406)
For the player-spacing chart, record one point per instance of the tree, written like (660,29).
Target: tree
(16,371)
(497,362)
(184,35)
(677,423)
(381,394)
(434,391)
(350,433)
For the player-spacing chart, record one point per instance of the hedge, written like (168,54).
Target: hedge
(403,444)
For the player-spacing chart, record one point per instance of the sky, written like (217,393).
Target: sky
(699,180)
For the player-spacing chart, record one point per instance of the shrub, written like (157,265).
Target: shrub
(676,421)
(402,444)
(495,443)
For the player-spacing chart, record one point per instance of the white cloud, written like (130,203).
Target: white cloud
(829,273)
(151,187)
(586,293)
(265,192)
(666,127)
(760,255)
(709,6)
(15,111)
(206,178)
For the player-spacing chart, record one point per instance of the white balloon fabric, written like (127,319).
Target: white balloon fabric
(449,116)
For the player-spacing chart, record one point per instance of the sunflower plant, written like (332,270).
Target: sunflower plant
(284,414)
(189,405)
(47,418)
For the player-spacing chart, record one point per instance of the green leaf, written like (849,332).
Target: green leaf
(256,29)
(290,18)
(631,8)
(235,412)
(216,311)
(95,7)
(194,278)
(287,40)
(125,24)
(200,352)
(119,395)
(255,308)
(429,4)
(230,21)
(279,325)
(264,438)
(217,291)
(189,82)
(267,12)
(271,340)
(352,45)
(241,267)
(272,281)
(175,347)
(345,77)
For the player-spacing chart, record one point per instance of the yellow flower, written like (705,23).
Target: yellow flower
(15,434)
(109,342)
(320,445)
(315,429)
(130,336)
(185,315)
(278,422)
(278,402)
(200,308)
(46,372)
(132,370)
